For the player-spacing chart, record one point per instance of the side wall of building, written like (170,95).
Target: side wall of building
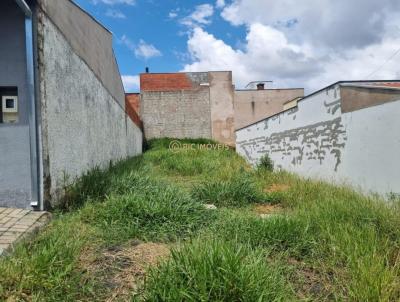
(222,111)
(175,105)
(90,41)
(254,105)
(317,140)
(83,124)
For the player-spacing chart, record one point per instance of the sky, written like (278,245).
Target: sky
(308,43)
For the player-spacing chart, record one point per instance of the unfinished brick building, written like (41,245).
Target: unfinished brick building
(202,105)
(195,105)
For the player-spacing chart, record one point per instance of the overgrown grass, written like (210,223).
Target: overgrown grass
(214,270)
(239,190)
(330,242)
(46,268)
(148,210)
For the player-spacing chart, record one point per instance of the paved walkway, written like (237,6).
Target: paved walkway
(16,224)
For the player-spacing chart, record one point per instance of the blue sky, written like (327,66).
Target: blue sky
(158,24)
(294,43)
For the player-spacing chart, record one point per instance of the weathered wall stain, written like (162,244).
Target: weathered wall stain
(313,142)
(340,134)
(333,106)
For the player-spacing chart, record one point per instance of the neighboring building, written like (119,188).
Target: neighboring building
(132,106)
(188,105)
(254,105)
(62,101)
(203,104)
(291,104)
(344,133)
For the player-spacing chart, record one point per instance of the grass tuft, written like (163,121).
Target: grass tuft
(215,270)
(240,190)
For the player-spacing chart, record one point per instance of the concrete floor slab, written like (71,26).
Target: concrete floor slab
(16,224)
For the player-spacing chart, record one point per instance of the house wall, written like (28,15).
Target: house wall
(15,162)
(175,105)
(133,99)
(221,102)
(195,105)
(254,105)
(83,123)
(132,106)
(317,140)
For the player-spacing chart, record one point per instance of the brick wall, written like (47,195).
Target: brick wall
(133,99)
(179,114)
(188,105)
(165,82)
(132,106)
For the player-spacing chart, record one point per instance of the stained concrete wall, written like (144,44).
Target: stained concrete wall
(83,124)
(254,105)
(15,161)
(90,41)
(221,102)
(318,140)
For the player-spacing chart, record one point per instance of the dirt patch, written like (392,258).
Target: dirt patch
(276,188)
(268,209)
(309,282)
(122,269)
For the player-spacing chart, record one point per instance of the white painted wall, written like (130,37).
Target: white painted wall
(316,140)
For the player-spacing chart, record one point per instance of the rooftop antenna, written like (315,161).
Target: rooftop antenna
(258,83)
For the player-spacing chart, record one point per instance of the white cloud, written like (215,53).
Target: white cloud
(268,55)
(116,14)
(200,17)
(131,82)
(141,50)
(304,44)
(146,51)
(172,15)
(220,3)
(114,2)
(127,42)
(339,24)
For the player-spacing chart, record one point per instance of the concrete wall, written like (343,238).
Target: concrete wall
(254,105)
(221,102)
(83,124)
(317,140)
(15,162)
(90,41)
(175,105)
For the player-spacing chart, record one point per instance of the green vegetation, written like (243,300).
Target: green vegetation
(274,236)
(266,163)
(214,270)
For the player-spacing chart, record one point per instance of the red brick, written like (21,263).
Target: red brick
(165,82)
(134,101)
(132,108)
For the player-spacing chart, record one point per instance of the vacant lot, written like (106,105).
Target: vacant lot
(141,231)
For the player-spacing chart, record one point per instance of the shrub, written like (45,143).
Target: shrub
(266,163)
(214,270)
